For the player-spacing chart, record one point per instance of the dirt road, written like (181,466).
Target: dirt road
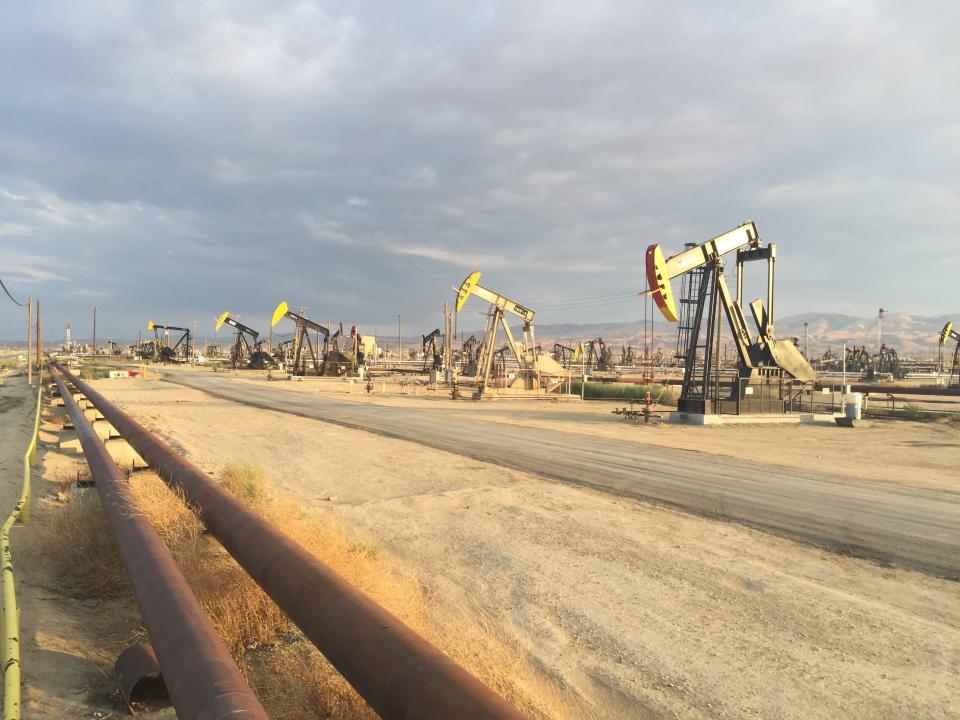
(914,527)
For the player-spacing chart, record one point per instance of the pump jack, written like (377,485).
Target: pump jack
(165,352)
(765,364)
(948,333)
(301,335)
(533,365)
(566,355)
(432,359)
(251,350)
(599,356)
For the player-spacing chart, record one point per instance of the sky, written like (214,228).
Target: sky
(170,161)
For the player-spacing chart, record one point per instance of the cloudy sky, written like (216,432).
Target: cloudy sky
(172,160)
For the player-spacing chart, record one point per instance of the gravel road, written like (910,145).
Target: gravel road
(914,527)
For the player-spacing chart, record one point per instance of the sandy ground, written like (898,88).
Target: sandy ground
(923,454)
(628,610)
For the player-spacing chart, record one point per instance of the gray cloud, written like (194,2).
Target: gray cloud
(171,160)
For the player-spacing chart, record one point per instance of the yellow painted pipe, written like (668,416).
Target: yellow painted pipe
(11,614)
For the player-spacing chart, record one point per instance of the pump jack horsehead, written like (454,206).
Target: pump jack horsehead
(762,361)
(537,370)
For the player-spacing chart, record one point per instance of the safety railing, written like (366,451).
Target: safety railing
(11,614)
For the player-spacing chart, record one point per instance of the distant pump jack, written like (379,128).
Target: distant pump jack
(181,351)
(247,348)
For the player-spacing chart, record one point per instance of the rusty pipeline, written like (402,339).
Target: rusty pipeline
(201,678)
(398,673)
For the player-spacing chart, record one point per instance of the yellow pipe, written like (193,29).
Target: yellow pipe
(11,615)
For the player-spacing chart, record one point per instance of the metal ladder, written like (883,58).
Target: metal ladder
(696,333)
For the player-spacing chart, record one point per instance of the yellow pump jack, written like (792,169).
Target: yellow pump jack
(538,371)
(949,333)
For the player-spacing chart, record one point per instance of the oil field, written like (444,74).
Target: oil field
(366,361)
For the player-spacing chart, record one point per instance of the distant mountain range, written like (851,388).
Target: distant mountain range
(915,335)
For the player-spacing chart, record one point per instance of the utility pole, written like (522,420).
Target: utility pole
(646,302)
(583,376)
(39,340)
(880,328)
(30,341)
(399,342)
(447,336)
(806,342)
(843,394)
(94,330)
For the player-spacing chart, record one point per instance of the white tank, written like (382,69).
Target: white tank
(853,406)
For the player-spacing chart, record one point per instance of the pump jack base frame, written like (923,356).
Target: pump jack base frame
(689,418)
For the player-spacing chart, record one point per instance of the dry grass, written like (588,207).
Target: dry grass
(290,676)
(80,557)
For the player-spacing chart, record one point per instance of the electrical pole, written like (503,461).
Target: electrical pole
(39,340)
(399,342)
(806,342)
(30,341)
(94,330)
(843,394)
(583,376)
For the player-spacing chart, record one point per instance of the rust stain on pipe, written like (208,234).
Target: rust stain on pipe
(400,674)
(203,681)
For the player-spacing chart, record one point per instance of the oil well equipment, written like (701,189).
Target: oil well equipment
(247,349)
(431,348)
(180,351)
(770,373)
(294,357)
(566,355)
(321,356)
(598,355)
(536,370)
(950,335)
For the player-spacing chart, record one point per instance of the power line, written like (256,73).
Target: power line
(571,301)
(15,301)
(591,304)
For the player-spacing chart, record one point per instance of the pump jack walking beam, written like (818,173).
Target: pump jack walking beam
(660,272)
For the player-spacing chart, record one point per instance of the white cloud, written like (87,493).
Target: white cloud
(327,231)
(422,177)
(30,268)
(357,201)
(11,229)
(451,257)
